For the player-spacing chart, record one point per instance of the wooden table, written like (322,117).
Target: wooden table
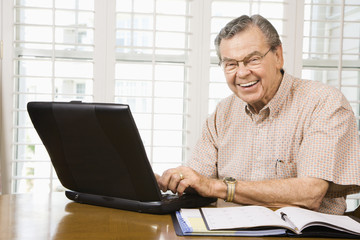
(53,216)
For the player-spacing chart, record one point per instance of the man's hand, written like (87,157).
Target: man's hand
(181,179)
(302,192)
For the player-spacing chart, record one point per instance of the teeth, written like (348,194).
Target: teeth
(248,84)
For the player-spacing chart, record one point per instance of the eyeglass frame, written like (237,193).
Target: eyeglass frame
(243,61)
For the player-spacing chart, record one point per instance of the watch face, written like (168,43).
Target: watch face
(230,179)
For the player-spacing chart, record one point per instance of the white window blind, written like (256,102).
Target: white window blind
(53,61)
(152,73)
(57,56)
(331,50)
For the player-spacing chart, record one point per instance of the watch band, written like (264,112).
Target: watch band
(230,183)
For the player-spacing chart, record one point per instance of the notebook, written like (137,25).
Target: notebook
(99,157)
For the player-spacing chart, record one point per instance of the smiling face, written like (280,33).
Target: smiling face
(256,86)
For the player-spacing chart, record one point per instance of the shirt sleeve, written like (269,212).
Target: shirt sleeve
(330,146)
(204,156)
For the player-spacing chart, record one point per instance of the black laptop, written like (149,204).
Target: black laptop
(99,157)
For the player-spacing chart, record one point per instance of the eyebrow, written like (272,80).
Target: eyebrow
(247,56)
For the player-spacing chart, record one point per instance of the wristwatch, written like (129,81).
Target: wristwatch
(230,183)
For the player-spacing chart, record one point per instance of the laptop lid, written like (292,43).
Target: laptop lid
(95,148)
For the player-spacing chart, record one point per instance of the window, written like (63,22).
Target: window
(58,57)
(331,50)
(151,73)
(53,61)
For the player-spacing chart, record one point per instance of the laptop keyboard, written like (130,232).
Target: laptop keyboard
(168,197)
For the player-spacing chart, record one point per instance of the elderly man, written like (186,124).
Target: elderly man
(278,140)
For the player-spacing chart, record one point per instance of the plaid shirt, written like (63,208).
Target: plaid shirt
(307,129)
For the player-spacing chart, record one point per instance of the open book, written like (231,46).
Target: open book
(262,221)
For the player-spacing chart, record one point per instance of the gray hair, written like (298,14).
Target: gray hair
(242,23)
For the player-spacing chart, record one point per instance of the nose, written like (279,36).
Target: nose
(242,70)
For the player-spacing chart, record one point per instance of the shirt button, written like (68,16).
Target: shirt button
(261,130)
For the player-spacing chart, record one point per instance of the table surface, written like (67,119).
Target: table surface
(53,216)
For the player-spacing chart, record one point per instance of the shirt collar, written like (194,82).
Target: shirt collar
(281,95)
(275,104)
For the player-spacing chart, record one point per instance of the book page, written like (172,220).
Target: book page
(303,218)
(193,218)
(195,225)
(242,217)
(195,222)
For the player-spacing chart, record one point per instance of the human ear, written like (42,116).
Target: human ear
(279,57)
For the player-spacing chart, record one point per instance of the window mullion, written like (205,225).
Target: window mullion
(199,71)
(340,66)
(104,54)
(294,32)
(6,92)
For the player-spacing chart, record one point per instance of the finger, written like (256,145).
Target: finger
(174,182)
(157,176)
(182,186)
(169,179)
(164,180)
(160,181)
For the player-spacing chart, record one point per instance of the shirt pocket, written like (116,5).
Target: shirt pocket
(285,169)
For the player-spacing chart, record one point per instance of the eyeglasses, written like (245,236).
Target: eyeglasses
(251,61)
